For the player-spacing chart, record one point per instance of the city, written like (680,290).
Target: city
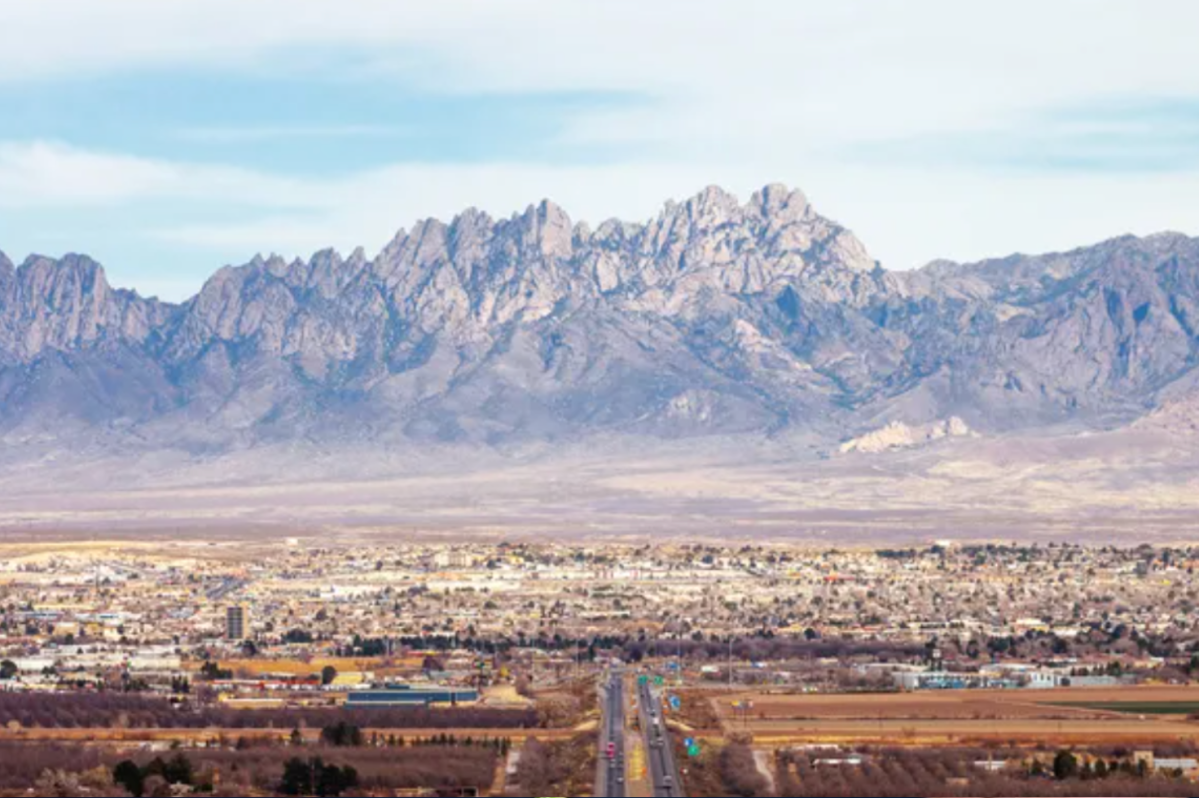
(631,399)
(608,670)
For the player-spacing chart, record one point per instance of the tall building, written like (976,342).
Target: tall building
(237,619)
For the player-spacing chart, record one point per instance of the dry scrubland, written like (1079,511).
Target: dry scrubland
(1095,486)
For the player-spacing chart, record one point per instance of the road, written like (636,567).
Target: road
(228,585)
(664,776)
(610,779)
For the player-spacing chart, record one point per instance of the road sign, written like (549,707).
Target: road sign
(693,750)
(688,742)
(658,680)
(675,701)
(642,679)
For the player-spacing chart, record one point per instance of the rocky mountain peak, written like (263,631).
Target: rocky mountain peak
(66,282)
(777,202)
(713,316)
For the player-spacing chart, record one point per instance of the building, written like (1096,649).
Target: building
(406,696)
(454,558)
(237,620)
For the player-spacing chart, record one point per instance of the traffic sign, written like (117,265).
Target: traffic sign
(658,680)
(693,750)
(688,742)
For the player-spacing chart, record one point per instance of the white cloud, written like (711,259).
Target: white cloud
(759,70)
(54,175)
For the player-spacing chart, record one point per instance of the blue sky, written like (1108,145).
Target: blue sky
(167,139)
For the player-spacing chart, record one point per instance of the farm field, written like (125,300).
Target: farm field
(1137,707)
(964,716)
(926,731)
(1067,703)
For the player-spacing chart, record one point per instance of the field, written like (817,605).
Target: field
(1074,716)
(1138,707)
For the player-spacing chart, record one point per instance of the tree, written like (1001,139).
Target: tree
(1065,765)
(8,669)
(313,776)
(297,636)
(328,674)
(129,775)
(332,780)
(57,783)
(342,734)
(297,777)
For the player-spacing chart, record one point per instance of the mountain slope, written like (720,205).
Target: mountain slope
(713,318)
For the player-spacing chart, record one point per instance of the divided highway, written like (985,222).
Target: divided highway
(664,776)
(610,779)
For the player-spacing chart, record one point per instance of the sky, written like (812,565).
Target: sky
(168,139)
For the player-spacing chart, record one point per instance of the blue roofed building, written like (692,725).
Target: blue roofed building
(408,696)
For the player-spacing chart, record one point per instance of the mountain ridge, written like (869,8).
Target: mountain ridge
(714,317)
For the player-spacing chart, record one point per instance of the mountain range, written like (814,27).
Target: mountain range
(715,318)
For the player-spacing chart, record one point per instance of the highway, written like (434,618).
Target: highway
(228,585)
(664,776)
(610,779)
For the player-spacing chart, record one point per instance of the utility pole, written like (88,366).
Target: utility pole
(730,663)
(678,661)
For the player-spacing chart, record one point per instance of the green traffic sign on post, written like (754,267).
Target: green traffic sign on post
(693,750)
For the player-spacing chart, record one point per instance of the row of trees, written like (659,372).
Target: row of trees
(60,770)
(314,777)
(118,710)
(135,778)
(559,767)
(346,735)
(952,773)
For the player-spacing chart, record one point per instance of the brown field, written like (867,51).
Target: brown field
(947,704)
(960,716)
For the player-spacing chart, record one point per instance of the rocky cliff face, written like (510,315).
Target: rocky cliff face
(714,317)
